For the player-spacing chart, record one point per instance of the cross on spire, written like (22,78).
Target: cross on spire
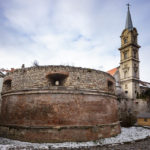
(128,5)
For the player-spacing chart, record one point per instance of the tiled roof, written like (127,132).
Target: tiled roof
(112,71)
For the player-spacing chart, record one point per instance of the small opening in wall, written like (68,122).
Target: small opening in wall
(110,86)
(145,119)
(57,79)
(126,92)
(57,83)
(7,84)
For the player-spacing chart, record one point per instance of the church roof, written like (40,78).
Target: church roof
(112,71)
(129,24)
(144,84)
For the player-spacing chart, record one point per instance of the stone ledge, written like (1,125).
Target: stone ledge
(59,135)
(59,127)
(59,91)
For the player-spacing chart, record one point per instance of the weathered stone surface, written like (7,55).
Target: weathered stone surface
(83,108)
(78,78)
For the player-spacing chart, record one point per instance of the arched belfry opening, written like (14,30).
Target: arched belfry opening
(57,79)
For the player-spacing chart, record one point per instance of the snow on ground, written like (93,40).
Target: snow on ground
(127,135)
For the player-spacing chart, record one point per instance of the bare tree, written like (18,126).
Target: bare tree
(35,63)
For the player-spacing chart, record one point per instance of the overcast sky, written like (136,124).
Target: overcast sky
(84,33)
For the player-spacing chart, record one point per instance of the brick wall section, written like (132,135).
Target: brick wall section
(78,78)
(78,134)
(58,109)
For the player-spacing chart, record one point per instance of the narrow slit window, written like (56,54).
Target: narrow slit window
(134,53)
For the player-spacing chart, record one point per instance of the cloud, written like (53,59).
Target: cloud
(77,32)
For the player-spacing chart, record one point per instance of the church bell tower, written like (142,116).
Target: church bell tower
(129,63)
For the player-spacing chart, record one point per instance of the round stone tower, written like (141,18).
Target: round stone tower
(57,104)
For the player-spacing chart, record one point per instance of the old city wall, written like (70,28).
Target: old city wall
(81,107)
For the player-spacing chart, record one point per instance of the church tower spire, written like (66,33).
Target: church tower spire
(129,63)
(129,24)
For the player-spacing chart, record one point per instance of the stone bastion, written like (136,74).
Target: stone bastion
(58,104)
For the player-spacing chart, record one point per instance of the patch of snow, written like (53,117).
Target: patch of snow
(127,135)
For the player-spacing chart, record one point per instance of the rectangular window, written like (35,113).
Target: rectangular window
(125,74)
(125,55)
